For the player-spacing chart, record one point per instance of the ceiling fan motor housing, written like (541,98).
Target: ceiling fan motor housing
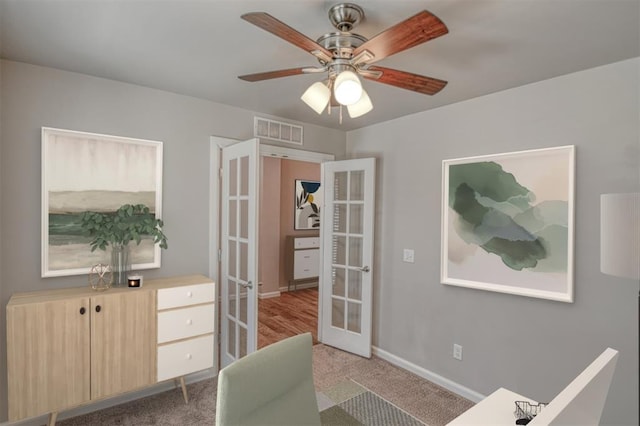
(345,16)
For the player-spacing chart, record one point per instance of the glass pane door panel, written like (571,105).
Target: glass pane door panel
(233,218)
(244,218)
(338,281)
(355,285)
(233,177)
(231,341)
(231,289)
(340,218)
(337,312)
(355,251)
(357,186)
(242,301)
(353,321)
(244,176)
(243,341)
(340,185)
(339,250)
(356,218)
(244,254)
(232,259)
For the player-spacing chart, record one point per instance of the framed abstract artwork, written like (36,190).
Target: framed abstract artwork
(507,223)
(92,172)
(308,201)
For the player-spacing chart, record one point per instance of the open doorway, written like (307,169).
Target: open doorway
(288,291)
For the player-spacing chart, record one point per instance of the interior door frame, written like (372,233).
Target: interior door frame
(215,190)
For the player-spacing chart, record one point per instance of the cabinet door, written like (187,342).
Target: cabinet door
(47,356)
(123,342)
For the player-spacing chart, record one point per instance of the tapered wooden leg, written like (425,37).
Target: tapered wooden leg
(184,390)
(52,418)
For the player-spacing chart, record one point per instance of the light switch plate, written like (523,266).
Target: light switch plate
(408,256)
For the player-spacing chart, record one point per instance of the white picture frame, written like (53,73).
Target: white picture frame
(84,171)
(508,223)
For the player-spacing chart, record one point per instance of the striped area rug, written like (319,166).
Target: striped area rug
(349,403)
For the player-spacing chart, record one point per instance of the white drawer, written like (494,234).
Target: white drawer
(306,242)
(185,322)
(186,295)
(186,357)
(306,263)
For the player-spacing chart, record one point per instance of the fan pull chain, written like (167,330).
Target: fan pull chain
(340,113)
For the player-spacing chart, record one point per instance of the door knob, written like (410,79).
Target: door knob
(365,269)
(248,285)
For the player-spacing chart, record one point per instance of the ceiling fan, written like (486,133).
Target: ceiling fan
(344,55)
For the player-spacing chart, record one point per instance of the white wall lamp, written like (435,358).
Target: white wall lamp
(620,235)
(347,91)
(620,238)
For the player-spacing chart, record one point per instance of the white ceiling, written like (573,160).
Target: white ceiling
(199,47)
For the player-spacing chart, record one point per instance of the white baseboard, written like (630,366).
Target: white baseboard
(300,286)
(268,295)
(457,388)
(117,400)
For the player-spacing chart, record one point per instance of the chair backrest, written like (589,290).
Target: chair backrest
(582,401)
(272,386)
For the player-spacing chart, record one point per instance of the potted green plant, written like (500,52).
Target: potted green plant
(131,222)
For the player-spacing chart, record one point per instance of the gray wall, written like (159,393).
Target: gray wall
(33,97)
(532,346)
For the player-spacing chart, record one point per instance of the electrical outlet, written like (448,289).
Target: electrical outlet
(408,256)
(457,351)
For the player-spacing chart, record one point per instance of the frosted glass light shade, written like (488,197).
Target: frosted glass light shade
(347,88)
(361,107)
(317,96)
(620,235)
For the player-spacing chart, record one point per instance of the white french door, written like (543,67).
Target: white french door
(347,254)
(238,249)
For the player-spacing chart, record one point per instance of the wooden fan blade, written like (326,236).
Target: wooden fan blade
(407,80)
(285,32)
(418,29)
(271,74)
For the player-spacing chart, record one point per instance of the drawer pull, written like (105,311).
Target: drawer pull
(189,294)
(189,356)
(189,321)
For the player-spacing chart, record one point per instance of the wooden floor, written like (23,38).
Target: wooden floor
(293,313)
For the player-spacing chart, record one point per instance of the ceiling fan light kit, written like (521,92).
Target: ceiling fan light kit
(344,56)
(317,96)
(347,88)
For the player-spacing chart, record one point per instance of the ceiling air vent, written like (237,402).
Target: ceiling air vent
(277,130)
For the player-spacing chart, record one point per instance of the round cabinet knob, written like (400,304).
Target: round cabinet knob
(189,356)
(98,308)
(189,294)
(189,321)
(82,310)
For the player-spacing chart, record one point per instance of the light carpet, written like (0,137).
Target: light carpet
(351,391)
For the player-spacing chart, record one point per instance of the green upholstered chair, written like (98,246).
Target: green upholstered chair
(272,386)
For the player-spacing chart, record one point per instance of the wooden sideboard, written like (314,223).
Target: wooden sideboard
(73,346)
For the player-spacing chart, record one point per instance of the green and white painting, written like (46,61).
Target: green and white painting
(92,172)
(508,223)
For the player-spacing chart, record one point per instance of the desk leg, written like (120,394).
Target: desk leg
(53,416)
(184,390)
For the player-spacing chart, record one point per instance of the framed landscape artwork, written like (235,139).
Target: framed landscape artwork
(92,172)
(507,223)
(308,201)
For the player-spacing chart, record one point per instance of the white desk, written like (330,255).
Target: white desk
(496,410)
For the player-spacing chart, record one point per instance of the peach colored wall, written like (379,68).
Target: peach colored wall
(289,172)
(269,222)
